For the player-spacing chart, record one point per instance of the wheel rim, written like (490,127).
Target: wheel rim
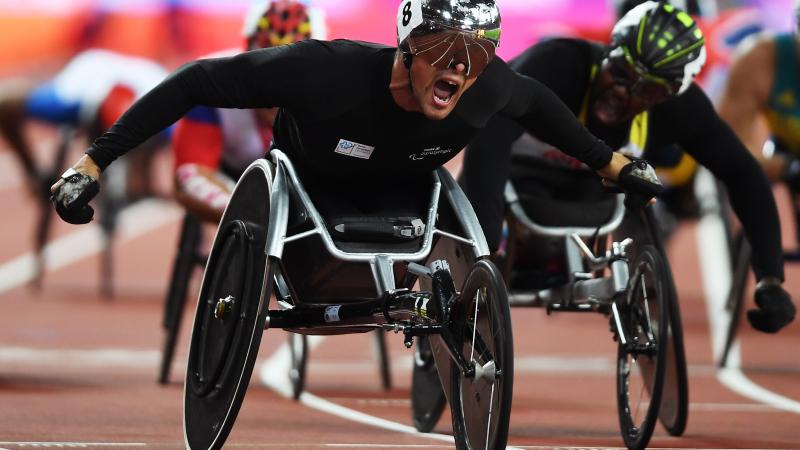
(231,315)
(640,360)
(220,329)
(480,395)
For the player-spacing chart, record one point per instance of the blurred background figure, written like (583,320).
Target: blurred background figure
(760,102)
(88,95)
(212,146)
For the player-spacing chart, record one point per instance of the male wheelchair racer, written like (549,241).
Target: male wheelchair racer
(551,213)
(345,263)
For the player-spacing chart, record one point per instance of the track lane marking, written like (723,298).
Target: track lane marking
(273,374)
(714,259)
(134,221)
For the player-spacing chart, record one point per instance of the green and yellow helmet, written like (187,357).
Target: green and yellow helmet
(662,43)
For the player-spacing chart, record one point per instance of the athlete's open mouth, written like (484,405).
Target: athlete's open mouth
(443,91)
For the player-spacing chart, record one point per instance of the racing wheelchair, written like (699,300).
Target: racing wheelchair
(627,279)
(190,256)
(333,270)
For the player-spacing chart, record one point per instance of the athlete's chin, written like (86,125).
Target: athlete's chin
(435,109)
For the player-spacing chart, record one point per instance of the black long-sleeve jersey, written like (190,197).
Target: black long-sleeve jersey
(689,120)
(337,115)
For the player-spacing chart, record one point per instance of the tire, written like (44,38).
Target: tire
(427,396)
(674,411)
(298,353)
(482,327)
(383,360)
(225,339)
(641,366)
(175,303)
(735,303)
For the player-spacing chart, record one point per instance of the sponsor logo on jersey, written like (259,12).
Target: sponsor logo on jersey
(433,151)
(354,149)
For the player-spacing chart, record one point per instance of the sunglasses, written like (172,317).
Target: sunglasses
(445,48)
(644,87)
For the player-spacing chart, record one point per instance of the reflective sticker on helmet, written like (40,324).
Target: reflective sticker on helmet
(409,16)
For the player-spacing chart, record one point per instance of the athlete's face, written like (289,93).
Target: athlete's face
(437,91)
(619,93)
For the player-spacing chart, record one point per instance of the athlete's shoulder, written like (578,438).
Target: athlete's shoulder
(560,52)
(757,50)
(691,107)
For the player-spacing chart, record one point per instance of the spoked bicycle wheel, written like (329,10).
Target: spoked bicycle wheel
(481,404)
(231,314)
(641,355)
(298,356)
(427,395)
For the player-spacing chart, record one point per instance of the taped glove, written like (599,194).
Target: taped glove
(72,197)
(639,181)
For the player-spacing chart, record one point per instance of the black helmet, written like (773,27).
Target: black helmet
(661,42)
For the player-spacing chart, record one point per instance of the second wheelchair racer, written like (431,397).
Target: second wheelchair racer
(637,95)
(212,146)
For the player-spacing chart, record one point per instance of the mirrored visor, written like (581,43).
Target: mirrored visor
(445,48)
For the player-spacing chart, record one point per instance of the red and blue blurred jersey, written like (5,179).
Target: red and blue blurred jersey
(220,138)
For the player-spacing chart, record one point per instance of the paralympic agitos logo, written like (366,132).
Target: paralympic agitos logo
(433,151)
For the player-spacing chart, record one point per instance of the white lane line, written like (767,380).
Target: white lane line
(273,374)
(732,377)
(72,444)
(108,357)
(134,221)
(714,264)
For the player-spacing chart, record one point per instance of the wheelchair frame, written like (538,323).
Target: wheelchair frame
(441,311)
(379,312)
(582,293)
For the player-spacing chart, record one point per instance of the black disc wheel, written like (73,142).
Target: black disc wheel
(674,410)
(427,396)
(298,355)
(641,353)
(231,314)
(480,401)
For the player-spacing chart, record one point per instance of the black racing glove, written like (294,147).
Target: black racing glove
(775,308)
(71,199)
(639,181)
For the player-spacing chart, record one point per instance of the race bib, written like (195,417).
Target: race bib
(409,16)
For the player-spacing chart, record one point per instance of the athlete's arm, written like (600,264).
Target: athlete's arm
(714,145)
(745,98)
(277,76)
(544,115)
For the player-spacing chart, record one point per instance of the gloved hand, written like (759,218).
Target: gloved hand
(775,307)
(639,181)
(71,196)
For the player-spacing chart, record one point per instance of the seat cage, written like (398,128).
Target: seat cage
(514,205)
(381,262)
